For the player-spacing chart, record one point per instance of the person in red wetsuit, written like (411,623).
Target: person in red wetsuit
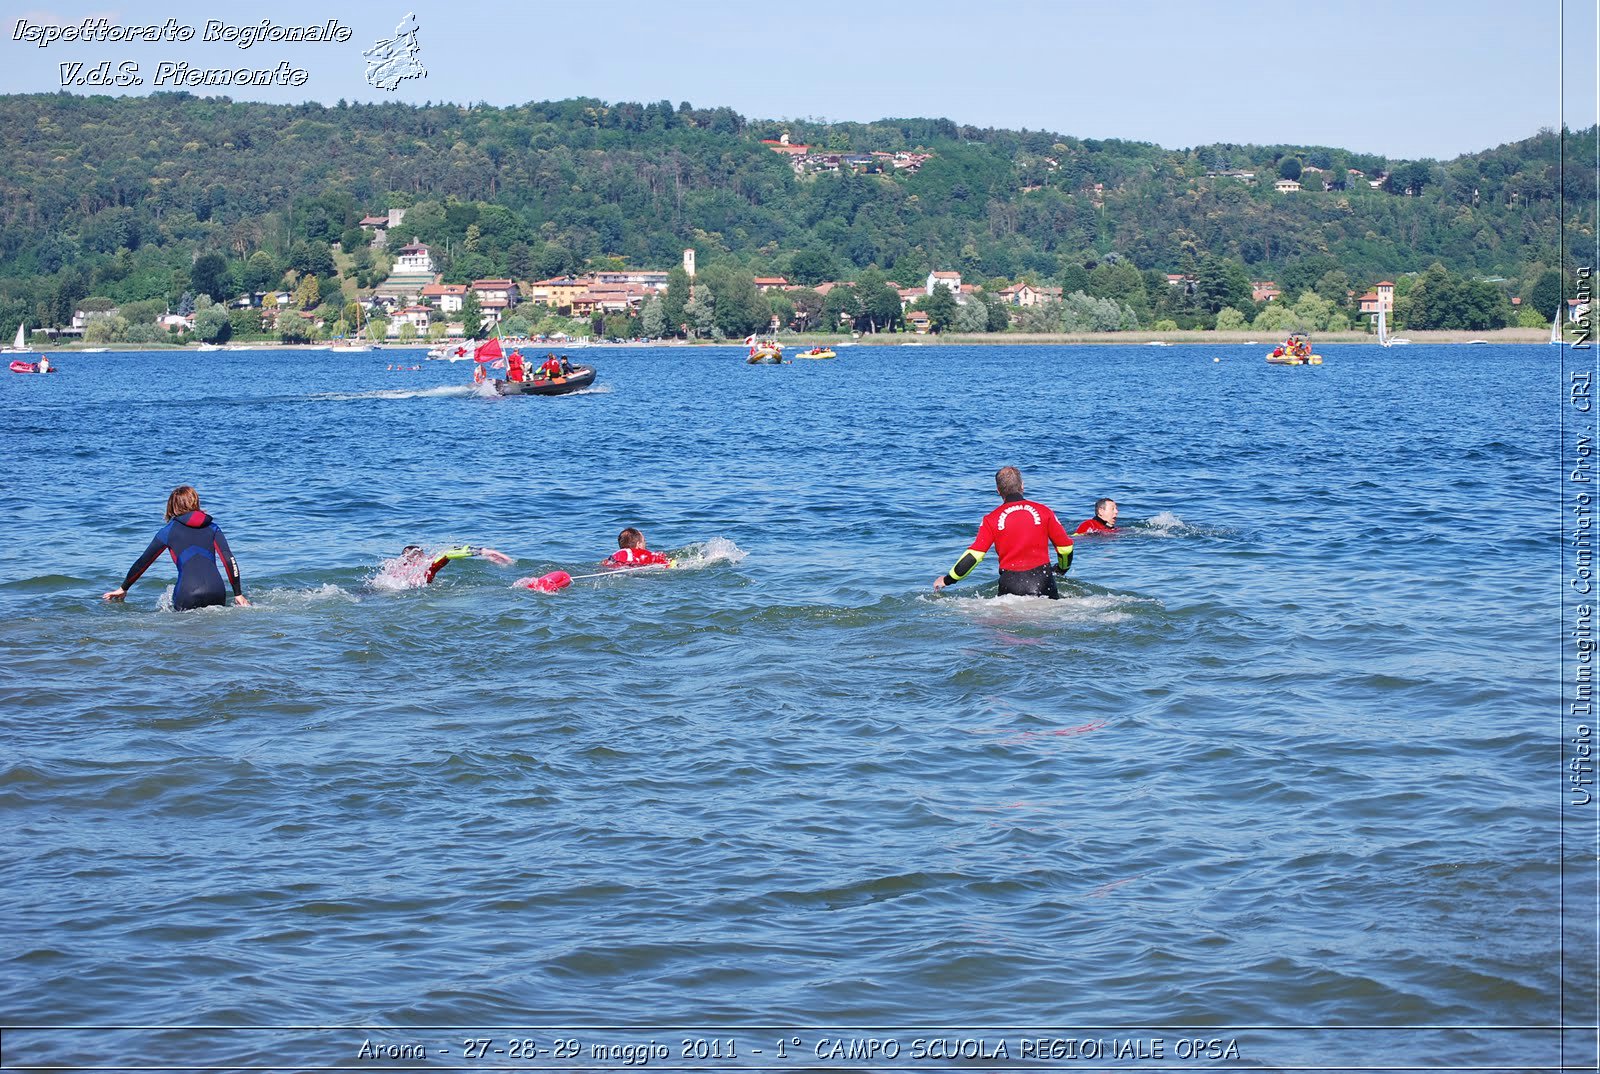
(1104,520)
(631,552)
(551,368)
(514,366)
(1025,532)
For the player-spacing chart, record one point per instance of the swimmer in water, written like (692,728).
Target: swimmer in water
(417,568)
(1104,520)
(631,552)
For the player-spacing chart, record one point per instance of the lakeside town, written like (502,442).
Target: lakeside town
(413,305)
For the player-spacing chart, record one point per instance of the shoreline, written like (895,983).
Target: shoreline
(900,339)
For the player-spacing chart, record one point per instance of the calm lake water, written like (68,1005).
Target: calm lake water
(1286,757)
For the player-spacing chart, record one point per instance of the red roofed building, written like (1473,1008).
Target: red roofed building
(1385,291)
(447,296)
(418,316)
(559,291)
(783,145)
(771,283)
(496,294)
(1264,291)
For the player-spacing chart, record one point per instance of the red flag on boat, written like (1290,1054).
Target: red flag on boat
(489,350)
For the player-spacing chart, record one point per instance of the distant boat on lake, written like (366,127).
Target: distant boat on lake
(1384,338)
(20,344)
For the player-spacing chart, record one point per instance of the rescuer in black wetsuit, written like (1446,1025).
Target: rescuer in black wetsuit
(195,543)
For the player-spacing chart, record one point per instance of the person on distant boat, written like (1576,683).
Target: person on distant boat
(551,368)
(566,367)
(419,568)
(44,363)
(1025,532)
(631,552)
(1104,520)
(514,368)
(195,543)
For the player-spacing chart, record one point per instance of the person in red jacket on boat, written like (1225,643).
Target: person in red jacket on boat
(631,552)
(1025,533)
(551,370)
(1104,520)
(514,366)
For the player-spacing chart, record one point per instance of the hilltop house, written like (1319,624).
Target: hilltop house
(413,258)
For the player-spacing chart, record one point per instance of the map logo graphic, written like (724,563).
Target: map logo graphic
(392,61)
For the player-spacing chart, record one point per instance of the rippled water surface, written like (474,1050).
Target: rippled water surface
(1286,754)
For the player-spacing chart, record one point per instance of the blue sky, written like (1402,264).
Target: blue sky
(1405,79)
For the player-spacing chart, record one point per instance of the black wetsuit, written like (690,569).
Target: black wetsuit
(196,543)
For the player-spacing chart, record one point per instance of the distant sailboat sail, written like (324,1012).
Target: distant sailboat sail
(21,343)
(1555,330)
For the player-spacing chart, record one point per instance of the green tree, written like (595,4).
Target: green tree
(813,265)
(999,314)
(261,273)
(471,315)
(880,303)
(1545,295)
(211,321)
(293,329)
(808,313)
(674,301)
(701,314)
(841,308)
(1289,168)
(653,320)
(971,316)
(1229,320)
(209,275)
(940,308)
(306,294)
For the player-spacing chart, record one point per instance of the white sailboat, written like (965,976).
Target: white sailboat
(351,346)
(1555,330)
(20,344)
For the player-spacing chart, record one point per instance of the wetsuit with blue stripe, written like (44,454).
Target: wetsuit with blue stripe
(196,544)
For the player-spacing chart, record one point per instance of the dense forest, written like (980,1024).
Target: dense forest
(124,199)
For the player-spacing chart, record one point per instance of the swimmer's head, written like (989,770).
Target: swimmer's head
(184,500)
(413,551)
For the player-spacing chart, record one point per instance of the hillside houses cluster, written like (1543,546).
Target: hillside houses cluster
(807,159)
(1294,186)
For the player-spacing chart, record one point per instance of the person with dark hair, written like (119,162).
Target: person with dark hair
(1104,520)
(195,543)
(1024,532)
(631,552)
